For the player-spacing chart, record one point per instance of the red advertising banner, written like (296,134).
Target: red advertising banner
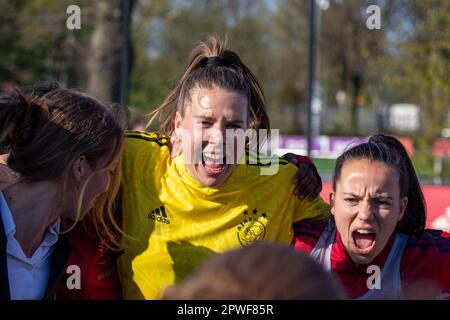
(441,148)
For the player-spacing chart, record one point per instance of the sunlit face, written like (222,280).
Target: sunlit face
(96,179)
(97,185)
(207,116)
(367,207)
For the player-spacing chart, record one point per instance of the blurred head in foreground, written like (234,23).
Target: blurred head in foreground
(261,271)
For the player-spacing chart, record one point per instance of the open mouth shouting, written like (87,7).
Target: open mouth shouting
(364,240)
(213,164)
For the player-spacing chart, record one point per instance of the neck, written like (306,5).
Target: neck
(33,209)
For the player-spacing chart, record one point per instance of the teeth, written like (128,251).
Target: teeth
(213,156)
(363,231)
(214,170)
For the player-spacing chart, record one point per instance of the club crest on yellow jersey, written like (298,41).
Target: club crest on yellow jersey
(251,229)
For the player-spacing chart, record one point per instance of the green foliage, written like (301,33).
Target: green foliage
(36,46)
(407,61)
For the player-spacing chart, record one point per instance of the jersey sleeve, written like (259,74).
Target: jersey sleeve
(311,209)
(307,233)
(141,155)
(427,260)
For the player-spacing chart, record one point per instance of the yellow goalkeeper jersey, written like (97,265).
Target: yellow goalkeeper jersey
(175,222)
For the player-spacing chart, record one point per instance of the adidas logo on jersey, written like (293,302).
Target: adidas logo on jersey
(159,215)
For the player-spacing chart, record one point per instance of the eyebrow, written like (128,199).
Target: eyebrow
(350,194)
(236,121)
(376,195)
(203,117)
(211,118)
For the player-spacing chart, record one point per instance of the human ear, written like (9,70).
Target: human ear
(177,120)
(332,199)
(79,168)
(403,205)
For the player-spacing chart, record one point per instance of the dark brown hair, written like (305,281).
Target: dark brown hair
(213,65)
(388,150)
(261,271)
(46,128)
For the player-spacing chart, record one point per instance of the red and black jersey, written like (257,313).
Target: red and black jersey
(425,262)
(97,269)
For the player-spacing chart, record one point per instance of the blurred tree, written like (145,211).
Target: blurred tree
(352,56)
(419,72)
(406,61)
(166,31)
(105,50)
(290,37)
(36,46)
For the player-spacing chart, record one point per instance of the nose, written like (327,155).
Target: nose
(365,212)
(216,135)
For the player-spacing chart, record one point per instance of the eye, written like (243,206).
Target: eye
(381,202)
(351,200)
(234,126)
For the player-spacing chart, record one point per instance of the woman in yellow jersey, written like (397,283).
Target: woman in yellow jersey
(198,192)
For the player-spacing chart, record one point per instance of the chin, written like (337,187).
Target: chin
(363,256)
(361,259)
(212,182)
(84,211)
